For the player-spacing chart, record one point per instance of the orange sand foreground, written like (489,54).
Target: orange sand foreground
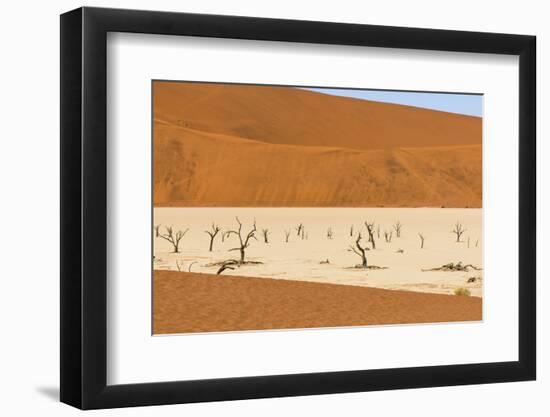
(192,302)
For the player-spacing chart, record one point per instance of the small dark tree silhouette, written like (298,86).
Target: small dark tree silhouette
(299,229)
(370,231)
(388,236)
(351,231)
(329,233)
(397,227)
(422,238)
(243,242)
(212,233)
(265,234)
(174,238)
(458,230)
(359,250)
(157,230)
(287,235)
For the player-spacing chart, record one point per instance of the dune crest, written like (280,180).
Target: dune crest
(232,145)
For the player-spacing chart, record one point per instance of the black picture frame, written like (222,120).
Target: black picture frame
(84,207)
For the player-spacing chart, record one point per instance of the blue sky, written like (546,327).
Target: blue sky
(469,104)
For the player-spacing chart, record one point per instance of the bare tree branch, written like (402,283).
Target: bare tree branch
(243,244)
(458,230)
(174,238)
(212,233)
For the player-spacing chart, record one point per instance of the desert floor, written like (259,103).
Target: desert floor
(192,302)
(305,259)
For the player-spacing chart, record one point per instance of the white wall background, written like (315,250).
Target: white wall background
(29,177)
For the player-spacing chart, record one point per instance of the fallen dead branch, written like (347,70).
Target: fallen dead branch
(451,267)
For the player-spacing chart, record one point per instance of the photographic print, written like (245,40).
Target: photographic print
(282,207)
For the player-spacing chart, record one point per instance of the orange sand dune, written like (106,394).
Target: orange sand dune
(190,302)
(193,168)
(283,115)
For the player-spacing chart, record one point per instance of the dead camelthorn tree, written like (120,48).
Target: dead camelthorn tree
(388,236)
(351,231)
(244,242)
(287,235)
(421,236)
(212,233)
(370,231)
(174,238)
(157,230)
(458,230)
(265,234)
(299,229)
(397,227)
(359,251)
(329,233)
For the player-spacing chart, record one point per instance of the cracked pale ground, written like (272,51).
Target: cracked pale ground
(300,259)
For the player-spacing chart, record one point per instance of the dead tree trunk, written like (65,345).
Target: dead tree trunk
(244,242)
(265,233)
(458,231)
(299,229)
(174,238)
(329,233)
(397,227)
(157,230)
(212,233)
(359,251)
(421,236)
(370,231)
(351,231)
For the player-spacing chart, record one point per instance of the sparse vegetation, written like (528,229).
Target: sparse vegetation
(397,227)
(244,242)
(359,251)
(287,235)
(265,234)
(370,231)
(455,267)
(422,238)
(212,233)
(458,230)
(173,238)
(462,292)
